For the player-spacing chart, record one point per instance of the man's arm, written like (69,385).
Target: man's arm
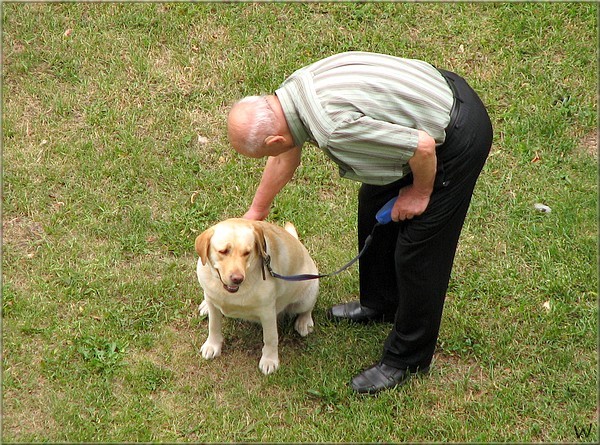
(407,144)
(278,171)
(414,199)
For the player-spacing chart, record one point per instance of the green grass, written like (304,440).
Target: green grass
(115,157)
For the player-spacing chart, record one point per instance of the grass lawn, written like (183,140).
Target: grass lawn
(115,156)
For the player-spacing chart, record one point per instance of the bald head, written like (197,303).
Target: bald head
(250,122)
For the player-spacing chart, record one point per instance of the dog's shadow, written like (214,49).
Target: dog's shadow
(247,336)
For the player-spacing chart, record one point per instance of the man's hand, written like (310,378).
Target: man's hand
(410,203)
(256,215)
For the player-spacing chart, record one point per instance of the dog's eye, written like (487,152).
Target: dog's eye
(246,253)
(224,251)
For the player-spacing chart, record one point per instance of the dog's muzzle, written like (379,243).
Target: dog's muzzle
(230,289)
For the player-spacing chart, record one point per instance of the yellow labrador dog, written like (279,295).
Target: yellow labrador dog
(232,272)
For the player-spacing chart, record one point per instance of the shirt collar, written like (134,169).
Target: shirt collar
(285,94)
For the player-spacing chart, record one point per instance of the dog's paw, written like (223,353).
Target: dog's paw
(210,350)
(203,309)
(304,324)
(268,365)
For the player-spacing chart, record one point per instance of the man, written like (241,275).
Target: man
(404,129)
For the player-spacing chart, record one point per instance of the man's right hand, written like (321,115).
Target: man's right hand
(256,215)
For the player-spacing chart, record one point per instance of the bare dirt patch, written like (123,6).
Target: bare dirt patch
(589,144)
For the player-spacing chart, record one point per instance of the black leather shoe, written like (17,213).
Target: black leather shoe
(353,311)
(380,377)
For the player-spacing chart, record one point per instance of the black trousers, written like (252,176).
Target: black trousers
(405,272)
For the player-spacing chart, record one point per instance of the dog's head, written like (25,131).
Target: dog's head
(234,249)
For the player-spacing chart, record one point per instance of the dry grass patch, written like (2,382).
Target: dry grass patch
(22,234)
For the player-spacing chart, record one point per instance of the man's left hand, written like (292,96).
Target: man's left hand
(410,203)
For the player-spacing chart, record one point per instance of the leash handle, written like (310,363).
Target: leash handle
(384,215)
(305,277)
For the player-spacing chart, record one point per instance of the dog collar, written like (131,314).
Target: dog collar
(266,263)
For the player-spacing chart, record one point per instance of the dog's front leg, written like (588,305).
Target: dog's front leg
(212,346)
(269,362)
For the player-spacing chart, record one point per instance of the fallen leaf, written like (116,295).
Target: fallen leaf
(542,208)
(193,197)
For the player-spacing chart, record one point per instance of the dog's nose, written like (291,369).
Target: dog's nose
(236,278)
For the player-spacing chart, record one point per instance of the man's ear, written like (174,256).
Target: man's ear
(274,140)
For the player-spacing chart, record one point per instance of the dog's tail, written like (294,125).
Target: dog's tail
(289,228)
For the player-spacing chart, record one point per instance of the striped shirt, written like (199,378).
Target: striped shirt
(364,109)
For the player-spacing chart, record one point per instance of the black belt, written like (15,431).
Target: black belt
(449,76)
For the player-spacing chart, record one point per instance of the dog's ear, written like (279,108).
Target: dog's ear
(260,243)
(203,244)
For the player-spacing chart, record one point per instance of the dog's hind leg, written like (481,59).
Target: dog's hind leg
(203,309)
(304,324)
